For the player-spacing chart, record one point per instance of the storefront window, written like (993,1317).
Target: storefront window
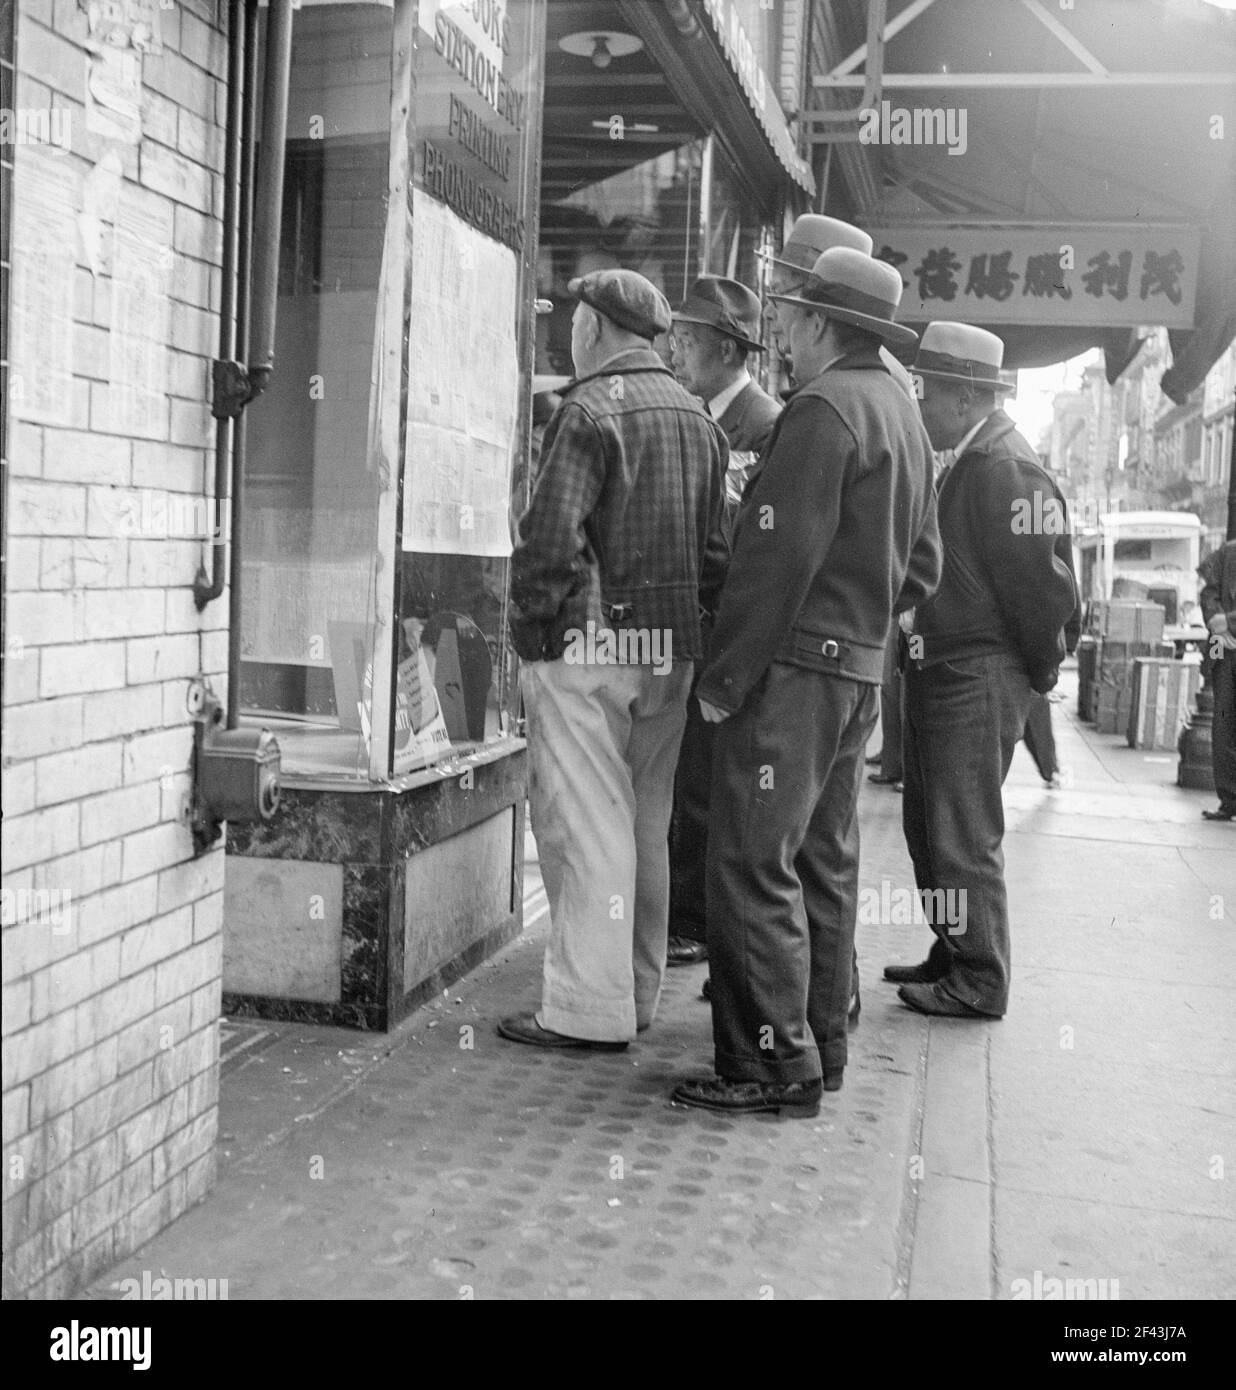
(310,526)
(378,477)
(645,218)
(471,277)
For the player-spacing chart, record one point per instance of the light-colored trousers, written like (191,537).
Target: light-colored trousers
(602,747)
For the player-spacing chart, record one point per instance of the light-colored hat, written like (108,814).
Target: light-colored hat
(812,235)
(725,305)
(961,352)
(853,288)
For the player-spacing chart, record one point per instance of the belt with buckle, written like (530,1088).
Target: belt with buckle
(621,612)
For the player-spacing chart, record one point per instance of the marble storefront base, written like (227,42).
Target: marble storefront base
(354,906)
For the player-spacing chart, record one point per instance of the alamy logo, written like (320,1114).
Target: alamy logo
(78,1343)
(48,907)
(1051,1290)
(887,906)
(149,1289)
(37,125)
(887,124)
(624,646)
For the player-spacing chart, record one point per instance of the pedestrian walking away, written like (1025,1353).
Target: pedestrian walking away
(837,531)
(1218,604)
(715,330)
(991,636)
(621,543)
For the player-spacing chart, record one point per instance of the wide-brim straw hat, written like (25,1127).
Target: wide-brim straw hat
(852,288)
(963,353)
(811,235)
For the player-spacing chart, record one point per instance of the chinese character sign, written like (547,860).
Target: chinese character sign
(1087,276)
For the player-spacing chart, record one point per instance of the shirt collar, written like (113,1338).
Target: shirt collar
(722,401)
(968,438)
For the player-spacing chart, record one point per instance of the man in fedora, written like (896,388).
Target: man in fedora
(837,532)
(992,634)
(620,545)
(715,330)
(811,235)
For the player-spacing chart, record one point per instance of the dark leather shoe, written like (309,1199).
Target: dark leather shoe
(876,761)
(924,974)
(681,950)
(523,1028)
(1223,813)
(799,1098)
(881,781)
(931,999)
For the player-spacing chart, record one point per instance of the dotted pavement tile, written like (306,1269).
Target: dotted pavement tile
(460,1165)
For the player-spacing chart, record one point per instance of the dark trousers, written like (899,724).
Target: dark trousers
(1223,732)
(1039,737)
(688,839)
(963,720)
(890,711)
(783,874)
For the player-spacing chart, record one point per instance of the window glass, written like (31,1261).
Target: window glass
(311,547)
(471,278)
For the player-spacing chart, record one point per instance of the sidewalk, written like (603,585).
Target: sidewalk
(1090,1135)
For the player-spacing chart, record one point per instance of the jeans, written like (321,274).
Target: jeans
(783,874)
(602,740)
(890,711)
(1040,739)
(688,841)
(963,720)
(1222,680)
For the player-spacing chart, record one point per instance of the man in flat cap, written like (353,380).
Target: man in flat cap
(836,533)
(621,544)
(991,635)
(715,330)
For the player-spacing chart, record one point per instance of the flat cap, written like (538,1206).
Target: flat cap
(626,298)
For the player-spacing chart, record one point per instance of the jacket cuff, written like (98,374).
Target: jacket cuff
(719,693)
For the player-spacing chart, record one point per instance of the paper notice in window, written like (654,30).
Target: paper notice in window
(463,391)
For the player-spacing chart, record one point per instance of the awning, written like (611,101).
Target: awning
(1109,112)
(726,23)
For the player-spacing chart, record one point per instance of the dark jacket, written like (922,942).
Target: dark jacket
(624,527)
(837,532)
(1008,581)
(748,423)
(1218,574)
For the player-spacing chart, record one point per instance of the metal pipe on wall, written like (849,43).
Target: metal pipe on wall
(208,587)
(268,206)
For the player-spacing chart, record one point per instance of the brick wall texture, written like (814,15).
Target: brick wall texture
(112,927)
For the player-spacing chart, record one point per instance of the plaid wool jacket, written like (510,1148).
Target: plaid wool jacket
(624,528)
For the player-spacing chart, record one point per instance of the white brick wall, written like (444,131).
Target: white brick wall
(111,981)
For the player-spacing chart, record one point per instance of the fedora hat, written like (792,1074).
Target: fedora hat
(852,288)
(725,305)
(812,235)
(960,352)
